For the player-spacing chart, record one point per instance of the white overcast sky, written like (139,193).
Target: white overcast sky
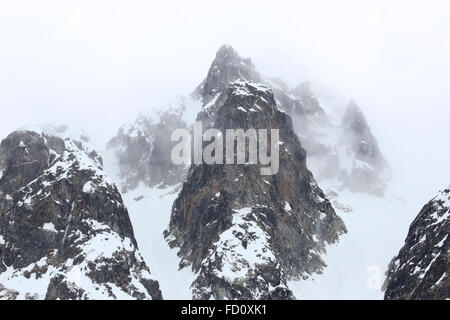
(95,64)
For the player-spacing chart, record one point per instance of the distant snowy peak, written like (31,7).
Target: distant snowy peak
(364,144)
(422,267)
(142,149)
(245,233)
(355,121)
(369,171)
(342,154)
(65,233)
(309,103)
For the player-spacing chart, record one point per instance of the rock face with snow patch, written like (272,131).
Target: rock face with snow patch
(64,231)
(422,267)
(245,233)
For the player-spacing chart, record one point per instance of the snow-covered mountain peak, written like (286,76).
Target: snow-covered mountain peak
(65,233)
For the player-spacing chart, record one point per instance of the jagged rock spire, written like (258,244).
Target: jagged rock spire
(226,67)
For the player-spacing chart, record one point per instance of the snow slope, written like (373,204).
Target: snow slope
(149,210)
(357,263)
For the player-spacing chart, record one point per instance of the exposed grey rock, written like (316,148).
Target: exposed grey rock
(421,269)
(244,233)
(227,67)
(64,231)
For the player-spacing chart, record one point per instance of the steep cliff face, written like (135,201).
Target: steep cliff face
(422,267)
(64,231)
(247,233)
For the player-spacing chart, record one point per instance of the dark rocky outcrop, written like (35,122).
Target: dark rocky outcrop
(64,231)
(421,269)
(245,233)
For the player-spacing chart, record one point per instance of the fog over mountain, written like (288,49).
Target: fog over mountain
(87,61)
(360,89)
